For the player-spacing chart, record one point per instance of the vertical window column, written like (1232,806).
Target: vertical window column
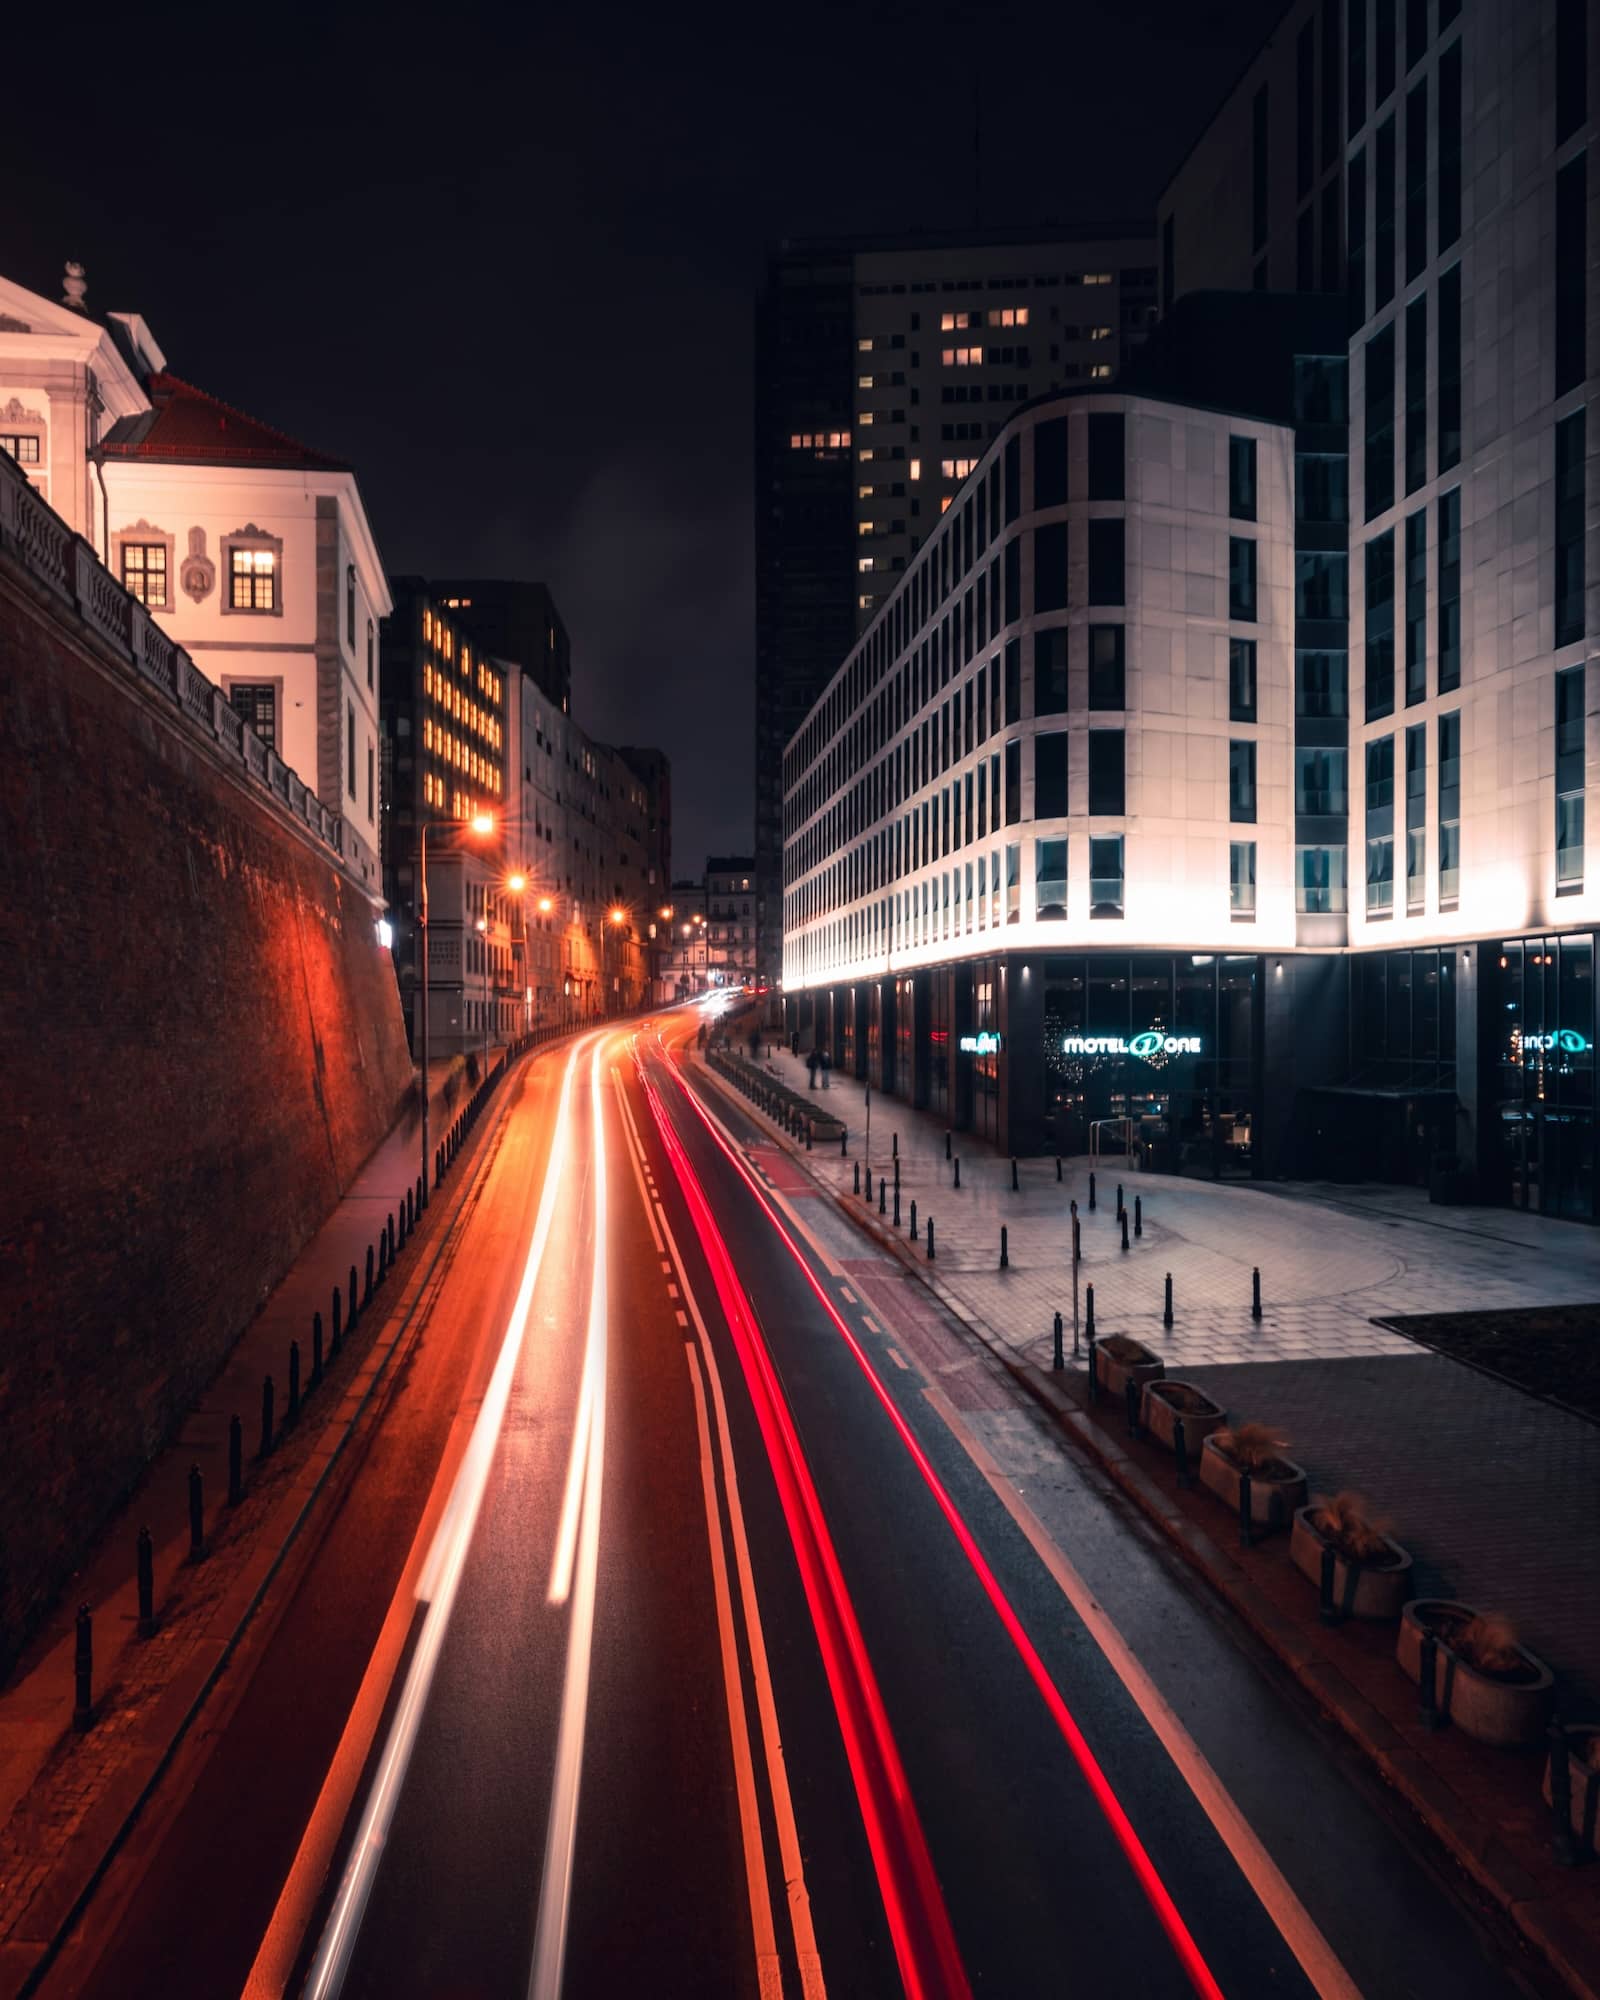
(1380,625)
(1569,780)
(1569,561)
(1416,607)
(1416,816)
(1449,809)
(1380,826)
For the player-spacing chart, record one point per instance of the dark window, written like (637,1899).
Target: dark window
(1569,778)
(1416,814)
(1013,680)
(1416,180)
(257,703)
(1383,50)
(1356,65)
(1106,455)
(1449,810)
(144,572)
(1013,783)
(1570,484)
(1241,680)
(1572,67)
(1416,606)
(1380,824)
(1321,389)
(1258,170)
(1242,478)
(1449,368)
(1449,196)
(1383,219)
(1416,446)
(1333,273)
(372,653)
(1321,681)
(1449,561)
(1050,672)
(1242,781)
(1356,237)
(1105,876)
(350,609)
(1050,775)
(1241,578)
(1106,584)
(1321,585)
(1242,880)
(1107,673)
(1572,273)
(350,742)
(1332,78)
(1305,107)
(1013,479)
(1107,765)
(1416,32)
(1321,780)
(1013,569)
(1380,625)
(1321,487)
(370,807)
(1050,879)
(1050,567)
(1050,463)
(1378,465)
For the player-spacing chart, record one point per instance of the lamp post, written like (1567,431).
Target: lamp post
(480,823)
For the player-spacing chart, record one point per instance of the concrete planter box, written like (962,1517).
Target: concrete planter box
(1114,1375)
(1158,1416)
(1374,1589)
(1583,1784)
(1272,1501)
(1487,1709)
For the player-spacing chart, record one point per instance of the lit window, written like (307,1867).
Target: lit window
(1099,333)
(864,603)
(866,527)
(945,501)
(864,418)
(21,446)
(252,579)
(867,455)
(961,357)
(863,563)
(1008,316)
(864,345)
(1097,277)
(144,572)
(956,468)
(863,381)
(916,468)
(1100,372)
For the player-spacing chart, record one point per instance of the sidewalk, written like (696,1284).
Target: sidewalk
(65,1797)
(1491,1489)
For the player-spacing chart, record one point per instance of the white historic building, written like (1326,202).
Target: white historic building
(252,551)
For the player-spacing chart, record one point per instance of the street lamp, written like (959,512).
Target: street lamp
(480,823)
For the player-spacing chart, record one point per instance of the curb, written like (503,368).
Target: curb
(25,1960)
(1571,1951)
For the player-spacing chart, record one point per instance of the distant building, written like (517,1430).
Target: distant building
(883,372)
(250,549)
(685,964)
(520,622)
(732,906)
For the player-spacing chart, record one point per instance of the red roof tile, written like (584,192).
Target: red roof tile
(188,427)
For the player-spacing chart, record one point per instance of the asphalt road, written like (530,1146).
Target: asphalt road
(685,1631)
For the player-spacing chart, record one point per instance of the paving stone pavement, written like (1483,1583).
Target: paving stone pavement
(1493,1490)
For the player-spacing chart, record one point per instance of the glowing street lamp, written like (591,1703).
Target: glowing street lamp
(516,883)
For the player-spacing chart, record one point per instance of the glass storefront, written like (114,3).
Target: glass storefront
(986,1067)
(1537,1032)
(1168,1044)
(941,1031)
(905,1070)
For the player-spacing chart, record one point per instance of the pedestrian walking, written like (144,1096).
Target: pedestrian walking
(813,1063)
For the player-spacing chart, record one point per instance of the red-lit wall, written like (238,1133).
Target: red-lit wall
(200,1043)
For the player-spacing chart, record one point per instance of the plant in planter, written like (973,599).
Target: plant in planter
(1165,1401)
(1120,1359)
(1583,1781)
(1371,1572)
(1277,1484)
(1493,1689)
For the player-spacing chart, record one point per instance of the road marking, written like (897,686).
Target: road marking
(683,1317)
(442,1573)
(898,1358)
(555,1887)
(1316,1956)
(870,1323)
(768,1973)
(848,1296)
(807,1957)
(637,1160)
(672,1291)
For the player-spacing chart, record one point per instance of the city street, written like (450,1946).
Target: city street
(747,1642)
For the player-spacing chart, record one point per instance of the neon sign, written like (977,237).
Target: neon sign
(1567,1040)
(984,1043)
(1147,1046)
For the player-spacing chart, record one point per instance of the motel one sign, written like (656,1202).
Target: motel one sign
(1147,1046)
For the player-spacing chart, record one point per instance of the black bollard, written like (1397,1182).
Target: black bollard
(316,1349)
(883,1206)
(1124,1229)
(1077,1243)
(1121,1210)
(1247,1526)
(1327,1608)
(1088,1310)
(1005,1257)
(1138,1215)
(1255,1294)
(896,1148)
(1130,1398)
(856,1189)
(1166,1311)
(869,1183)
(897,1204)
(266,1417)
(1058,1166)
(336,1327)
(383,1254)
(1057,1359)
(1094,1369)
(197,1516)
(366,1296)
(1428,1683)
(1180,1451)
(1562,1841)
(1013,1173)
(391,1236)
(930,1239)
(913,1221)
(352,1324)
(83,1671)
(1091,1194)
(897,1170)
(947,1145)
(147,1585)
(235,1461)
(293,1412)
(843,1136)
(957,1181)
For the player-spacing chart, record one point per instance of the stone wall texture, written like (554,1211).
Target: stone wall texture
(200,1044)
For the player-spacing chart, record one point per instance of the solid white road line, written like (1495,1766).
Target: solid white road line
(441,1577)
(769,1975)
(555,1887)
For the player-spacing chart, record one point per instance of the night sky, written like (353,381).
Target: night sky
(505,264)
